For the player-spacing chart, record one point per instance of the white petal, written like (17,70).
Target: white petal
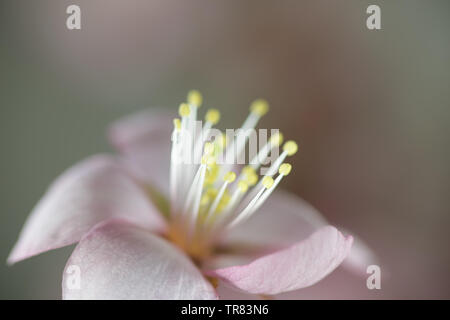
(120,261)
(93,190)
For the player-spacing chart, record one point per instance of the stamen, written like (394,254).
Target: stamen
(252,179)
(184,110)
(257,109)
(212,118)
(204,202)
(284,170)
(241,189)
(174,165)
(195,98)
(289,149)
(193,188)
(177,124)
(208,149)
(202,206)
(211,174)
(198,193)
(250,176)
(197,184)
(228,178)
(184,152)
(267,183)
(274,141)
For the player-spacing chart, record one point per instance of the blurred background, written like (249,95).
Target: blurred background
(370,110)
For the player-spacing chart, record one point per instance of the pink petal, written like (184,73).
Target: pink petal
(360,257)
(93,190)
(120,261)
(144,140)
(340,284)
(298,266)
(137,128)
(283,220)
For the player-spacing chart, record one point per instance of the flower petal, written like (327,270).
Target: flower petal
(117,260)
(340,284)
(284,219)
(298,266)
(93,190)
(144,140)
(360,257)
(137,128)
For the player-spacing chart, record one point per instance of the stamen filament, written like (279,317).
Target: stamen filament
(229,177)
(196,186)
(212,117)
(267,183)
(198,195)
(284,170)
(174,166)
(194,101)
(259,158)
(235,198)
(201,206)
(257,109)
(193,189)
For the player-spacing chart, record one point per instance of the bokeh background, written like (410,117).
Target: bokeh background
(370,109)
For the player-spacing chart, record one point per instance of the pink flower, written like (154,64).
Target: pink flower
(218,237)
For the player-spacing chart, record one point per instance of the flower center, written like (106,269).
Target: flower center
(207,197)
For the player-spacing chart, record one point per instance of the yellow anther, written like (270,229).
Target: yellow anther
(251,179)
(248,170)
(212,174)
(229,177)
(177,124)
(204,200)
(290,147)
(195,98)
(243,186)
(213,116)
(222,140)
(276,139)
(208,149)
(217,149)
(211,161)
(267,182)
(212,192)
(285,169)
(184,110)
(259,107)
(223,201)
(208,160)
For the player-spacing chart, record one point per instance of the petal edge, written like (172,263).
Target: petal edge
(93,190)
(118,260)
(299,266)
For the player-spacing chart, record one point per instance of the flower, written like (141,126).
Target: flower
(216,232)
